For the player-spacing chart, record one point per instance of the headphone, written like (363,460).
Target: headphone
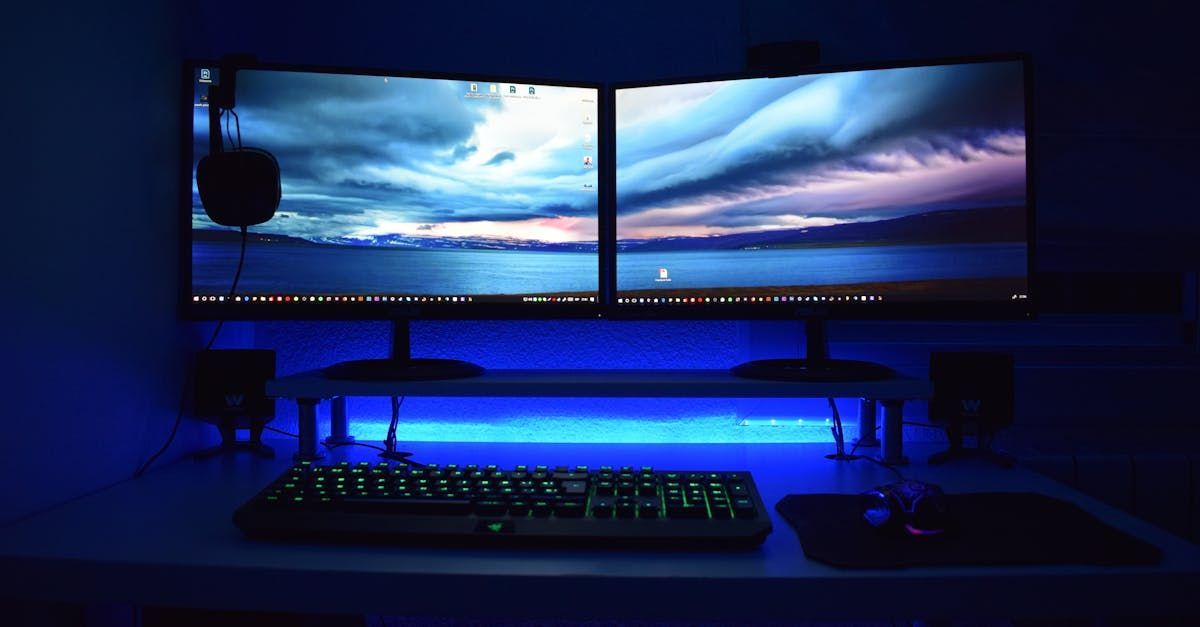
(238,188)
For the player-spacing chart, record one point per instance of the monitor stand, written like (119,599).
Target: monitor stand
(402,366)
(816,364)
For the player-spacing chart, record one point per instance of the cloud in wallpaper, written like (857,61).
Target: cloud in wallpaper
(730,157)
(365,157)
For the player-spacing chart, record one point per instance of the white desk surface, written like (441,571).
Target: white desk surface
(167,539)
(602,383)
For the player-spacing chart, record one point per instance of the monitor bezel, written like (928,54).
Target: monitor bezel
(192,310)
(903,310)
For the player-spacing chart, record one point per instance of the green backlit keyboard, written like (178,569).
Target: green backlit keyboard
(534,505)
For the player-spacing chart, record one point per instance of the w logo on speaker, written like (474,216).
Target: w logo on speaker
(234,400)
(970,407)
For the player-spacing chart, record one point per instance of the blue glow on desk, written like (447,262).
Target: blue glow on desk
(598,429)
(595,420)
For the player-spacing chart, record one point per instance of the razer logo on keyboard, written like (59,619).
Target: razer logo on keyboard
(494,526)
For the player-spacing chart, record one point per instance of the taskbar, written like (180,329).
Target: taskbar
(752,300)
(365,299)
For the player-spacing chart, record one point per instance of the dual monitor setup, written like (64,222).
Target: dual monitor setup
(880,192)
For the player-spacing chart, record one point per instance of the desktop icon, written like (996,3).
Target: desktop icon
(474,87)
(663,276)
(531,90)
(512,89)
(492,88)
(205,75)
(587,161)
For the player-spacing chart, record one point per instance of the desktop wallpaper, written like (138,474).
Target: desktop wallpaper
(409,186)
(904,183)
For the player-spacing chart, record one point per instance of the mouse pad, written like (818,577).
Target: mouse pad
(986,528)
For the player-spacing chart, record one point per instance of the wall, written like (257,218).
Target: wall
(93,335)
(1112,131)
(91,339)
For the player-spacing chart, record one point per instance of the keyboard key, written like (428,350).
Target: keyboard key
(690,510)
(573,508)
(743,508)
(541,508)
(422,506)
(602,508)
(490,507)
(574,487)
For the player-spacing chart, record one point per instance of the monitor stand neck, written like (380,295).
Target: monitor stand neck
(816,340)
(402,366)
(816,365)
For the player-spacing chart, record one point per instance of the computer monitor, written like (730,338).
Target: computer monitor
(404,196)
(865,192)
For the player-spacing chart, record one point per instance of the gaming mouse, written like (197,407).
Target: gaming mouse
(913,507)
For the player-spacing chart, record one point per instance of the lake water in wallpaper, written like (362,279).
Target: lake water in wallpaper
(290,268)
(818,266)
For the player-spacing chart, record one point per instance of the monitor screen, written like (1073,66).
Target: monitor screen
(846,190)
(404,196)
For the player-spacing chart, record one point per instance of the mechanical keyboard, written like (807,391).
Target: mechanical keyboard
(484,504)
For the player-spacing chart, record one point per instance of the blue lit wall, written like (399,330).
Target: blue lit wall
(93,349)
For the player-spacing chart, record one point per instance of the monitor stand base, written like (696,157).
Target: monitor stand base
(815,366)
(402,366)
(812,370)
(402,370)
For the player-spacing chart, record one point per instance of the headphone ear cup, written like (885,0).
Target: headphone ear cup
(239,188)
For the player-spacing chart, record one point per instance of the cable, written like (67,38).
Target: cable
(238,123)
(282,432)
(332,446)
(390,440)
(363,444)
(228,135)
(899,475)
(839,439)
(189,370)
(839,436)
(183,395)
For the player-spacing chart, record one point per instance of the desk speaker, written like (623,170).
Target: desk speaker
(972,388)
(232,384)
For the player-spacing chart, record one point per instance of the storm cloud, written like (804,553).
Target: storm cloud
(374,155)
(717,157)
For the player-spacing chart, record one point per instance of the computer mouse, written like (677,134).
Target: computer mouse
(909,506)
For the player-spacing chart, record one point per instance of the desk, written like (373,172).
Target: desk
(166,539)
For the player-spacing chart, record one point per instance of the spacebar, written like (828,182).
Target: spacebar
(434,507)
